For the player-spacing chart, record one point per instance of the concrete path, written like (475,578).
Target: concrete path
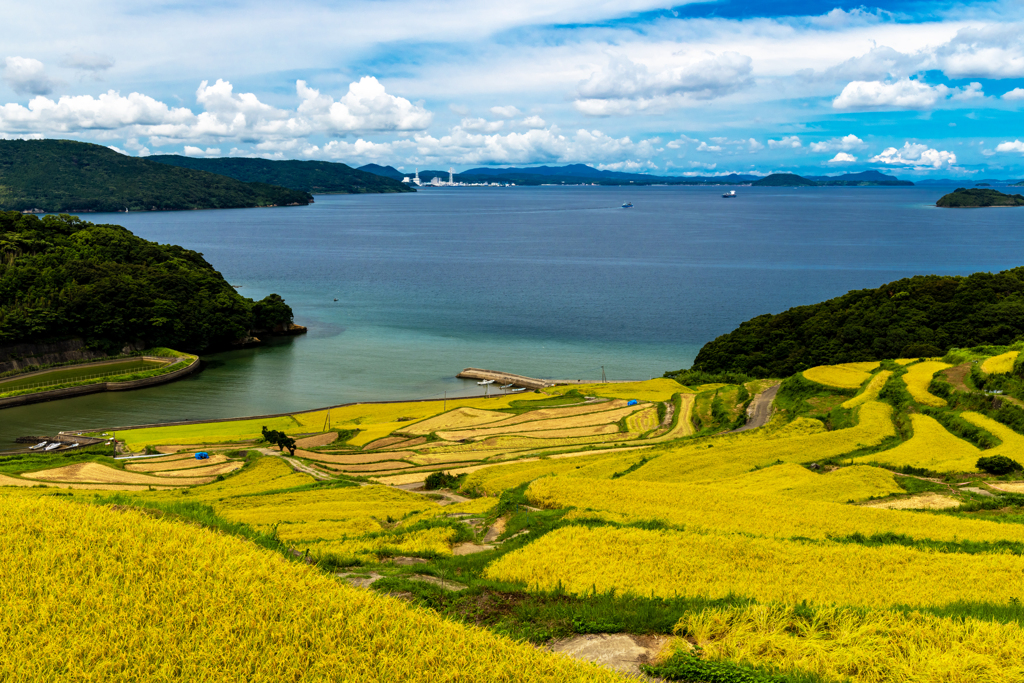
(760,410)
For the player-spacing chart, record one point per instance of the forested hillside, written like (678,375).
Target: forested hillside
(67,176)
(63,278)
(318,177)
(919,316)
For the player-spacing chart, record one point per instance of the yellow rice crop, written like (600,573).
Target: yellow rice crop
(871,391)
(918,378)
(495,480)
(735,455)
(837,376)
(659,389)
(1001,364)
(932,447)
(436,541)
(709,508)
(844,485)
(265,474)
(862,366)
(506,420)
(353,458)
(864,646)
(1013,443)
(906,361)
(91,593)
(670,563)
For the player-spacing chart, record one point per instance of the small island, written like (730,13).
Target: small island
(964,198)
(784,180)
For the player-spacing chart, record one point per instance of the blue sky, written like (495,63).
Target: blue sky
(921,89)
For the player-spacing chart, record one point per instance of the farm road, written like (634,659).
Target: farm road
(760,409)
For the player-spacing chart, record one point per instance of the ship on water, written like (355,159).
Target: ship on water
(731,194)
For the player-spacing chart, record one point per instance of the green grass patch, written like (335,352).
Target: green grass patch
(19,463)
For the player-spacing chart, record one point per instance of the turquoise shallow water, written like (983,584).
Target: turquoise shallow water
(545,281)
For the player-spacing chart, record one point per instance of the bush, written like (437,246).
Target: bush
(998,464)
(920,351)
(440,480)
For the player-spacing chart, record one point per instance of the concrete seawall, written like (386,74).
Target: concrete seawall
(81,390)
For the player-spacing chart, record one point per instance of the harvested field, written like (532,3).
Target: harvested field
(317,441)
(468,456)
(643,421)
(585,420)
(94,473)
(354,458)
(1009,486)
(14,481)
(925,501)
(412,477)
(571,433)
(392,441)
(162,465)
(554,413)
(454,419)
(375,467)
(215,470)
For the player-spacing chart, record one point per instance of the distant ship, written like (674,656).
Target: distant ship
(731,194)
(627,205)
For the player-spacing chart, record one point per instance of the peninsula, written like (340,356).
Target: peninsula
(53,176)
(315,177)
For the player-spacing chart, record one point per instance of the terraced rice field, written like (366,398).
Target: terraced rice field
(1001,364)
(932,447)
(919,376)
(847,376)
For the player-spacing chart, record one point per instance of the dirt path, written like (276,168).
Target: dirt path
(296,465)
(760,410)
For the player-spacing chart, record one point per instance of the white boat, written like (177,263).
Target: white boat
(731,194)
(507,386)
(516,391)
(52,446)
(486,381)
(627,205)
(38,445)
(74,445)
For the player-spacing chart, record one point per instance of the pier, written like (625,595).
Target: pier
(528,382)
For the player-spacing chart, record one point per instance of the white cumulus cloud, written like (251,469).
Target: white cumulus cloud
(1014,95)
(505,112)
(533,122)
(842,158)
(916,155)
(199,152)
(366,106)
(845,144)
(482,125)
(1015,146)
(902,94)
(27,76)
(625,86)
(788,142)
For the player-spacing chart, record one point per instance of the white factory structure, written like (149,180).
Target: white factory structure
(436,181)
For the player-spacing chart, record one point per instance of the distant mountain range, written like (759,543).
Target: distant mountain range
(581,174)
(315,177)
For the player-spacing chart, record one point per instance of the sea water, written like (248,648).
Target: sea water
(400,292)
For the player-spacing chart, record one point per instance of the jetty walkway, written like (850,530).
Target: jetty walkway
(528,382)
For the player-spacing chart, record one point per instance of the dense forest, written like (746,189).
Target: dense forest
(918,316)
(963,198)
(66,176)
(63,278)
(317,177)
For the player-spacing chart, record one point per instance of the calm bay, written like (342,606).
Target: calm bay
(542,281)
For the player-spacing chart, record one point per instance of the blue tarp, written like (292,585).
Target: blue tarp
(202,455)
(632,403)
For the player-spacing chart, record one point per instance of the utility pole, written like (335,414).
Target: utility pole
(604,378)
(445,409)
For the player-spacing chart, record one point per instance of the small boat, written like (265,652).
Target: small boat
(731,194)
(627,205)
(507,386)
(52,446)
(486,381)
(38,445)
(516,391)
(74,445)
